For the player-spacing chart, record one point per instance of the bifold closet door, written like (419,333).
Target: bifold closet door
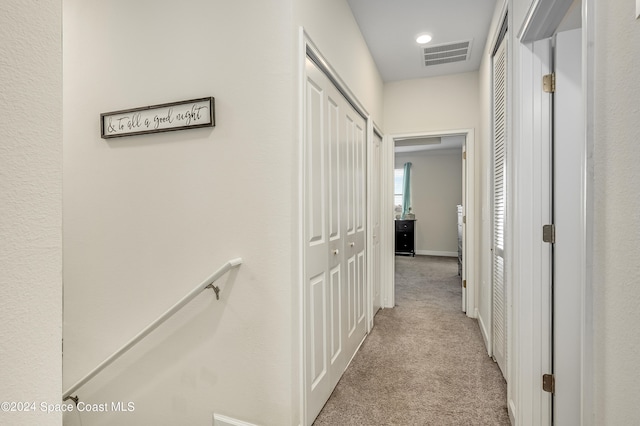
(334,236)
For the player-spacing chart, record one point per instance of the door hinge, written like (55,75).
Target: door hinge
(549,83)
(548,383)
(464,283)
(464,155)
(464,219)
(549,234)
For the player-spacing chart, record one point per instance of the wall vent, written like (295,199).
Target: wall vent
(446,53)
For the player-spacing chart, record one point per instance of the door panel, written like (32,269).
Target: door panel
(333,114)
(318,328)
(315,166)
(336,316)
(361,288)
(352,306)
(335,256)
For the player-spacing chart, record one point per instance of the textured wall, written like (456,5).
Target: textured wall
(616,159)
(30,207)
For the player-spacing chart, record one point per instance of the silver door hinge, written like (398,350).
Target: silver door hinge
(549,83)
(548,383)
(549,234)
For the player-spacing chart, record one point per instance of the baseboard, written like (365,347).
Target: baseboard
(512,412)
(484,332)
(220,420)
(437,253)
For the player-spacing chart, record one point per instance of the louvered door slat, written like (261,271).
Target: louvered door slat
(499,203)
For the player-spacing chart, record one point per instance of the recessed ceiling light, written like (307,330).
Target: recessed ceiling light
(423,39)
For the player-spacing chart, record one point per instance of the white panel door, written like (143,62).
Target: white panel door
(316,241)
(355,168)
(499,293)
(375,206)
(568,148)
(334,243)
(463,274)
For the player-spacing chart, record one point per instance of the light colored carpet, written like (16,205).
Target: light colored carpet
(424,362)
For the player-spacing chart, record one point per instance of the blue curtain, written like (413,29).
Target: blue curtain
(406,188)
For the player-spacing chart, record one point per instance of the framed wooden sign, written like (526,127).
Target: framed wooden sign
(191,114)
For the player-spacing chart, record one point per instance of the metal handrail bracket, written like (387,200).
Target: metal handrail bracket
(207,283)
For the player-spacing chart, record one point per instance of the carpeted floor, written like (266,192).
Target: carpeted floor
(424,362)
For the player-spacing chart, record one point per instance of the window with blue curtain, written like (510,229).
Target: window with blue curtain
(398,180)
(406,190)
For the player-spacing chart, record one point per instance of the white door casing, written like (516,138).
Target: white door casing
(374,212)
(463,275)
(531,256)
(568,152)
(334,264)
(533,332)
(387,258)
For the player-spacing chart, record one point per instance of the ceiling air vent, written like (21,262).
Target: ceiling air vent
(446,53)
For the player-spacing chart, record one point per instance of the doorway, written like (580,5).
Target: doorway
(466,151)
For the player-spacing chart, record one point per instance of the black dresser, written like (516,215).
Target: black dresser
(405,237)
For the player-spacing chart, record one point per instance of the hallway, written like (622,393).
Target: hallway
(424,362)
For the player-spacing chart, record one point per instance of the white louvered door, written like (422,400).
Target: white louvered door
(499,321)
(334,236)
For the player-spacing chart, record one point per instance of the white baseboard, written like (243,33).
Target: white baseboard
(485,333)
(220,420)
(437,253)
(512,412)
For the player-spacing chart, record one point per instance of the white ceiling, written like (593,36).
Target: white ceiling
(390,28)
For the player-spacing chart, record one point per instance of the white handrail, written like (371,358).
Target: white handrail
(148,329)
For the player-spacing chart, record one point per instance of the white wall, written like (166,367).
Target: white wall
(431,104)
(616,270)
(148,217)
(436,190)
(30,208)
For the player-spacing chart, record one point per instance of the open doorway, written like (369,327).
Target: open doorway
(429,149)
(440,173)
